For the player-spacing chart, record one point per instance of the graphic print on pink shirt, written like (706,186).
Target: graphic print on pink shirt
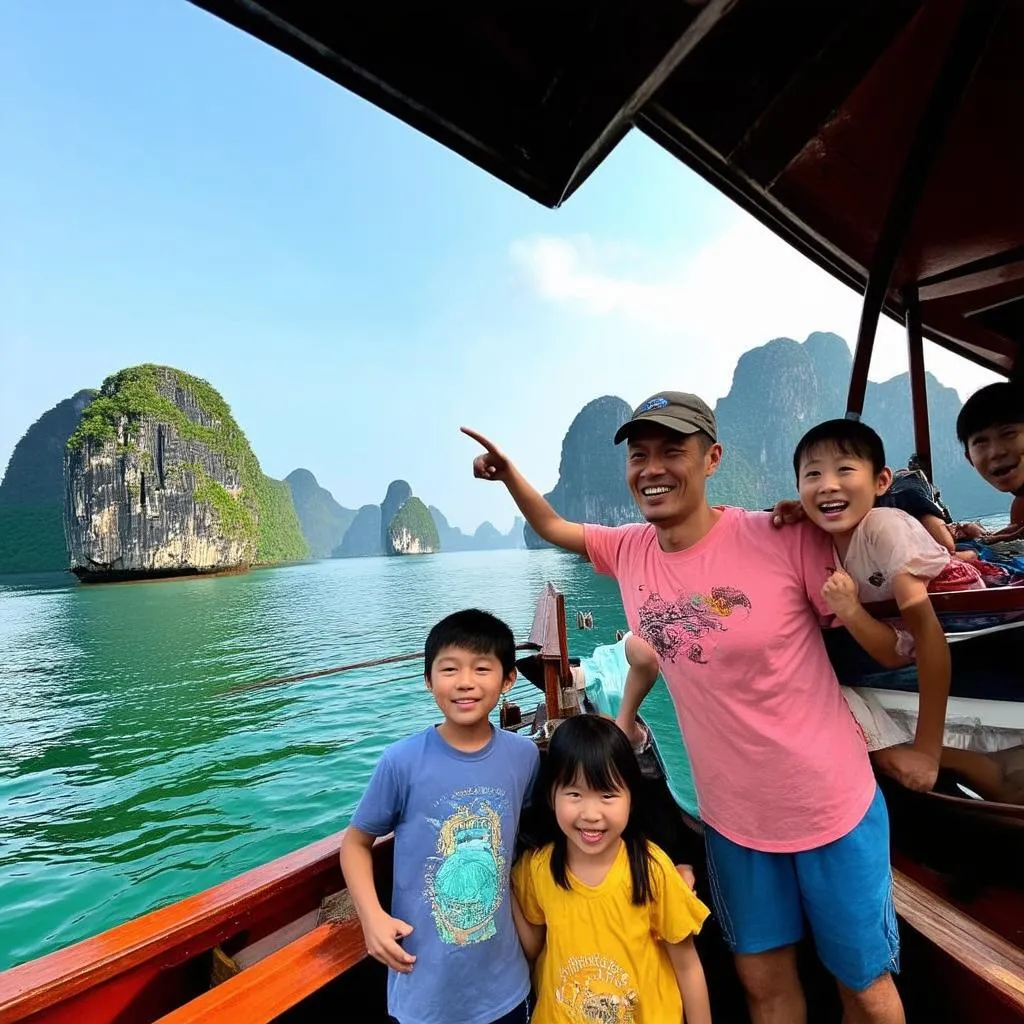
(687,627)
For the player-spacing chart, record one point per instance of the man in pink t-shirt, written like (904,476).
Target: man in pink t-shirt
(795,825)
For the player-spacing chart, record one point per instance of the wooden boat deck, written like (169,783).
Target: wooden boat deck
(990,967)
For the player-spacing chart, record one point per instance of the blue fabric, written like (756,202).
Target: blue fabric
(1006,555)
(605,672)
(455,817)
(519,1015)
(911,494)
(842,889)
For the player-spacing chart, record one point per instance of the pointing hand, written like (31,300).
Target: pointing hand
(493,464)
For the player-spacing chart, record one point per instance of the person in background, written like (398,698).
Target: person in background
(991,429)
(911,492)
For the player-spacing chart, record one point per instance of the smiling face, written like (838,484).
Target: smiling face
(592,820)
(838,490)
(467,687)
(997,453)
(667,472)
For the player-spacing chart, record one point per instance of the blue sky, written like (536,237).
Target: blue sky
(174,191)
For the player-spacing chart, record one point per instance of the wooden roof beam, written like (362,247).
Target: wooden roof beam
(819,88)
(984,273)
(262,21)
(664,128)
(964,52)
(622,119)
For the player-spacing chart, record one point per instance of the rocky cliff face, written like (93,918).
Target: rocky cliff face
(32,492)
(398,493)
(362,538)
(781,389)
(591,484)
(411,531)
(887,409)
(160,481)
(399,525)
(323,520)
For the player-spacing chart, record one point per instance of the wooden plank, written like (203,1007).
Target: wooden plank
(918,385)
(562,639)
(158,941)
(544,631)
(992,600)
(549,634)
(280,981)
(996,962)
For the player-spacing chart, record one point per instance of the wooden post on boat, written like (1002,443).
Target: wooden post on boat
(951,82)
(549,635)
(918,389)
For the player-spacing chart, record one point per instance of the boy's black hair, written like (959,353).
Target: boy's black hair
(848,437)
(595,750)
(472,630)
(995,405)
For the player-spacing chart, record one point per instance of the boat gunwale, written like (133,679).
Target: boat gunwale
(218,912)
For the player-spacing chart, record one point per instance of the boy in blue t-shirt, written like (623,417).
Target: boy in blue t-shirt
(452,794)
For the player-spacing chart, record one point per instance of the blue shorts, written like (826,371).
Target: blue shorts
(843,889)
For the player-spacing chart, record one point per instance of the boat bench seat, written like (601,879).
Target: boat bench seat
(998,963)
(279,981)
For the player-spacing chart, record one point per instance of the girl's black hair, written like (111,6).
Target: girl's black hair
(596,751)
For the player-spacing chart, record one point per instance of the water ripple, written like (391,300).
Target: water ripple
(137,763)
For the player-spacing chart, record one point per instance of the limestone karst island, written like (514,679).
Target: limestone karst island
(161,481)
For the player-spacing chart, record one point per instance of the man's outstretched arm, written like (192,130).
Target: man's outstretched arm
(495,465)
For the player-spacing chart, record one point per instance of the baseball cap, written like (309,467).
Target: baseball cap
(676,410)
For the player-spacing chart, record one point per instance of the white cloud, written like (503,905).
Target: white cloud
(705,309)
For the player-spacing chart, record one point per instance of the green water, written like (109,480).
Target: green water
(138,764)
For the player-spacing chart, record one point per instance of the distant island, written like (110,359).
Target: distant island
(160,481)
(152,475)
(32,492)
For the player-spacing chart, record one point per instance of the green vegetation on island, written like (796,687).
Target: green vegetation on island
(324,522)
(280,536)
(262,510)
(412,530)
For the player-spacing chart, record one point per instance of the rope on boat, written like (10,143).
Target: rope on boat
(320,672)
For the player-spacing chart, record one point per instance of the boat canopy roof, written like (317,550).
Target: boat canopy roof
(876,136)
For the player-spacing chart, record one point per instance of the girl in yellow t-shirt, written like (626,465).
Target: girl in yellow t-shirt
(603,911)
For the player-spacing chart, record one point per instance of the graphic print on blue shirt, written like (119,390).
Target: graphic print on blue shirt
(464,879)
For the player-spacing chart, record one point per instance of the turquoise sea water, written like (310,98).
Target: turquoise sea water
(139,763)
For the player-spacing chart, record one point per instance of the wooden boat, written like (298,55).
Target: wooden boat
(282,943)
(880,139)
